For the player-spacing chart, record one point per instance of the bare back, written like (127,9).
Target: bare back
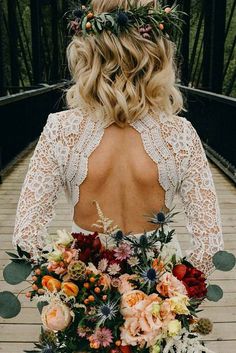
(123,179)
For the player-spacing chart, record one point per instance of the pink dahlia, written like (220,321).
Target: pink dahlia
(102,337)
(123,252)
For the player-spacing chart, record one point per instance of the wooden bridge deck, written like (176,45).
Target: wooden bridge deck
(19,333)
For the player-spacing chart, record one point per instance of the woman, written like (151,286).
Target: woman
(121,141)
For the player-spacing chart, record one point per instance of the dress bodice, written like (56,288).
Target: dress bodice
(60,161)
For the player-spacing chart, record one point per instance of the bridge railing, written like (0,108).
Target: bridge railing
(213,116)
(22,117)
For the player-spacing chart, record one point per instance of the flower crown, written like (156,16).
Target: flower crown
(146,18)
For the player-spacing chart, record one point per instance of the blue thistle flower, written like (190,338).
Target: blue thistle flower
(106,311)
(149,276)
(122,19)
(78,13)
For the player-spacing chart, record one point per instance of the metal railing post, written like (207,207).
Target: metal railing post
(214,40)
(35,8)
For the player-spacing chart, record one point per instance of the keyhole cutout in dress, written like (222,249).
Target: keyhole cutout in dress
(123,179)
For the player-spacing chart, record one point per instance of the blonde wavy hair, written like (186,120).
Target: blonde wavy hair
(121,78)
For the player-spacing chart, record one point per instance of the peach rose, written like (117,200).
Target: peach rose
(141,325)
(130,300)
(56,316)
(166,313)
(170,286)
(51,283)
(140,330)
(125,285)
(70,288)
(57,267)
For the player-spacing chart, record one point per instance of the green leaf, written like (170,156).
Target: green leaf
(11,254)
(83,25)
(40,305)
(98,24)
(224,261)
(20,252)
(15,272)
(214,293)
(10,305)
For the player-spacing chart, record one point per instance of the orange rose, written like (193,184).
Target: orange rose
(51,283)
(45,279)
(70,288)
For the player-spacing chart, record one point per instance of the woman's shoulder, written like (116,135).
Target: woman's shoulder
(66,116)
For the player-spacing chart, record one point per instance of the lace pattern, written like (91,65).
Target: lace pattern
(60,161)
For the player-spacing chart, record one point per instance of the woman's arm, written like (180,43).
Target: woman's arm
(39,192)
(200,203)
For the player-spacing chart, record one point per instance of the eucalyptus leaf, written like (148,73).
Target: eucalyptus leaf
(10,305)
(224,261)
(214,293)
(15,272)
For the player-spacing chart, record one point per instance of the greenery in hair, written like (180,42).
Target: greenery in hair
(147,19)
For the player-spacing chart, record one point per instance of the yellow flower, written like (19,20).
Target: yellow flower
(155,349)
(174,327)
(156,309)
(179,304)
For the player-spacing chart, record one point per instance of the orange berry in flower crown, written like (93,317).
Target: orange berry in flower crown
(90,15)
(88,25)
(70,288)
(168,9)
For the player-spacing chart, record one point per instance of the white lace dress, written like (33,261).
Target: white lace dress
(60,161)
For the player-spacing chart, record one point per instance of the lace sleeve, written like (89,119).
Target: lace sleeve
(198,195)
(39,192)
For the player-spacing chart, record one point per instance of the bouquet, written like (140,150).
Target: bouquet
(115,293)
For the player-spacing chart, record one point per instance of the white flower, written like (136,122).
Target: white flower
(113,269)
(55,255)
(63,237)
(174,327)
(133,261)
(150,254)
(92,268)
(102,265)
(167,252)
